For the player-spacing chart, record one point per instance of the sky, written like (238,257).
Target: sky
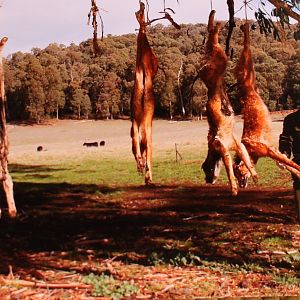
(37,23)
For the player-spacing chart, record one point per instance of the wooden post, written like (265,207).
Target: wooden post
(5,177)
(177,153)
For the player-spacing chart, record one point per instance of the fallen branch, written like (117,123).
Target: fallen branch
(277,252)
(167,288)
(43,285)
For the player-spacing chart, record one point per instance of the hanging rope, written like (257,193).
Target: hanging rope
(211,5)
(230,4)
(147,10)
(94,12)
(245,5)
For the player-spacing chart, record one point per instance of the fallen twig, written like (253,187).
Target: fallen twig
(18,292)
(43,285)
(277,252)
(168,287)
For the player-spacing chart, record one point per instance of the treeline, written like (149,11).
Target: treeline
(70,82)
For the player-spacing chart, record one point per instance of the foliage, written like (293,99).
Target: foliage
(107,286)
(274,243)
(65,82)
(286,280)
(174,258)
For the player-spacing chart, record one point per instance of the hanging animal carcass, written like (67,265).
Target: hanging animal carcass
(257,121)
(221,138)
(142,101)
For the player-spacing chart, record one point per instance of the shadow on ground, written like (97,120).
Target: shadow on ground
(133,222)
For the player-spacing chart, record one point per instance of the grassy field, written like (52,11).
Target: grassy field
(117,171)
(87,226)
(66,160)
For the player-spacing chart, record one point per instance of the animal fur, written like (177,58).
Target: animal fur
(221,138)
(142,101)
(257,121)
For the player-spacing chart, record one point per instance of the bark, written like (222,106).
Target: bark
(5,177)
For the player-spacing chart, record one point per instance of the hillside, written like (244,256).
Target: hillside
(70,82)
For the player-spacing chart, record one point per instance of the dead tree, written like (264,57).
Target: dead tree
(257,121)
(142,101)
(5,177)
(221,138)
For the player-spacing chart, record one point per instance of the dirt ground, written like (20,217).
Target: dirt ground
(66,137)
(171,241)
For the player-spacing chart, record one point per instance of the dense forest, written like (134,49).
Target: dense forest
(71,82)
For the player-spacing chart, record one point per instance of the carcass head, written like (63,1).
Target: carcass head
(242,174)
(212,168)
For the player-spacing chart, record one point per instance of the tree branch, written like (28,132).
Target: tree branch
(44,285)
(287,8)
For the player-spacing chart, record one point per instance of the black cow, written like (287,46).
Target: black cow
(92,144)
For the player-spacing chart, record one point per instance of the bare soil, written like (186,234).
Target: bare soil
(172,241)
(66,137)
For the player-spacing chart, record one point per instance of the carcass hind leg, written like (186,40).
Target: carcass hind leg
(148,175)
(263,150)
(244,156)
(289,164)
(228,165)
(136,149)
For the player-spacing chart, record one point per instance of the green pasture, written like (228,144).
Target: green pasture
(112,171)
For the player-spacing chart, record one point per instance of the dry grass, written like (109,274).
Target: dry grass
(64,139)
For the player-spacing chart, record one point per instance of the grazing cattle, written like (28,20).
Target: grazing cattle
(91,144)
(219,112)
(102,143)
(5,177)
(142,101)
(257,121)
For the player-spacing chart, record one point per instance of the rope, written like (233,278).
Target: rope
(245,4)
(211,5)
(147,11)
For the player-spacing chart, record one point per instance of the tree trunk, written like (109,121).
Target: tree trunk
(6,178)
(179,87)
(57,111)
(170,110)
